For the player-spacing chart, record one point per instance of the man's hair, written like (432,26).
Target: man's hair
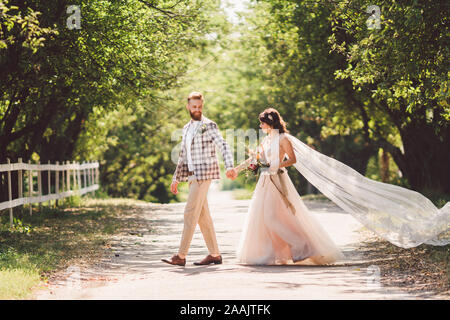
(195,95)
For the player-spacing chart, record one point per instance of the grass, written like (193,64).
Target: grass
(16,283)
(75,233)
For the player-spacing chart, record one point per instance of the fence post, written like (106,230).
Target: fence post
(74,177)
(79,179)
(76,182)
(49,184)
(84,175)
(30,187)
(40,186)
(98,174)
(63,172)
(68,176)
(57,184)
(93,179)
(10,195)
(90,176)
(86,172)
(20,183)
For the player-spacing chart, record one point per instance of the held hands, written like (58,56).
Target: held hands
(231,173)
(174,187)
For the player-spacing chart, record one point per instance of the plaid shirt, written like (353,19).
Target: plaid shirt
(203,152)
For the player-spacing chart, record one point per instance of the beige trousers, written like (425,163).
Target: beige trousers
(197,211)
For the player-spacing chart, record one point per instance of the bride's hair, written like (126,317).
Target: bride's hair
(273,118)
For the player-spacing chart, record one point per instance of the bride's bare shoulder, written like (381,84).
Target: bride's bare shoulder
(285,143)
(284,137)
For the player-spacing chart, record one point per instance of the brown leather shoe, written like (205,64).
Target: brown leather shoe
(208,260)
(175,260)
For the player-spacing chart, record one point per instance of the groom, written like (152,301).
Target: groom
(198,164)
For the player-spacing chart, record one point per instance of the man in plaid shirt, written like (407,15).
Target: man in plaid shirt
(198,164)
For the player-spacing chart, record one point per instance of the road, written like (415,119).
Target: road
(132,269)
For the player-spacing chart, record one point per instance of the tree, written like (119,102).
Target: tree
(403,69)
(374,85)
(125,52)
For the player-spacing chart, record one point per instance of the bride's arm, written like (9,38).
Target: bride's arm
(247,162)
(243,165)
(286,147)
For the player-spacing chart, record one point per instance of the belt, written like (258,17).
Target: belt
(267,170)
(283,191)
(190,173)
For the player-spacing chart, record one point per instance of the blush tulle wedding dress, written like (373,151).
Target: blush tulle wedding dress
(279,228)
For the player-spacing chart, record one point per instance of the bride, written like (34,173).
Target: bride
(279,229)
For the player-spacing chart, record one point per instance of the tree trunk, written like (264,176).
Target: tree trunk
(384,168)
(427,157)
(424,162)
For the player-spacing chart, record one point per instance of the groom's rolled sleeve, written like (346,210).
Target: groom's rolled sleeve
(177,173)
(223,146)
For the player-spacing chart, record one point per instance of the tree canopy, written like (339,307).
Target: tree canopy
(114,90)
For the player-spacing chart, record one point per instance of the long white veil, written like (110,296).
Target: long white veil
(404,217)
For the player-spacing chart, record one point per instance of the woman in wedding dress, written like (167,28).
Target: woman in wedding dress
(279,229)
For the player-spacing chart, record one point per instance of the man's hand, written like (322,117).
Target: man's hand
(231,173)
(173,187)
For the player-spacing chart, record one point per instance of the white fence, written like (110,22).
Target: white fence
(68,185)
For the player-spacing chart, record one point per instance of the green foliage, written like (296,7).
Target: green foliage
(127,55)
(402,69)
(19,226)
(125,51)
(73,201)
(338,82)
(115,90)
(21,27)
(407,58)
(137,163)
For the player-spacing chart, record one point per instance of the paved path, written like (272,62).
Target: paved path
(133,267)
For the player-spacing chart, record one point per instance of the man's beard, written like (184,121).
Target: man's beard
(197,116)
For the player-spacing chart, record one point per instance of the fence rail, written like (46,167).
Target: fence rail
(70,173)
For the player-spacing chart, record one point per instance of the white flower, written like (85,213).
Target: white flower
(270,117)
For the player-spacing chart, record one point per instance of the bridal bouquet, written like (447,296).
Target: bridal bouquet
(255,163)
